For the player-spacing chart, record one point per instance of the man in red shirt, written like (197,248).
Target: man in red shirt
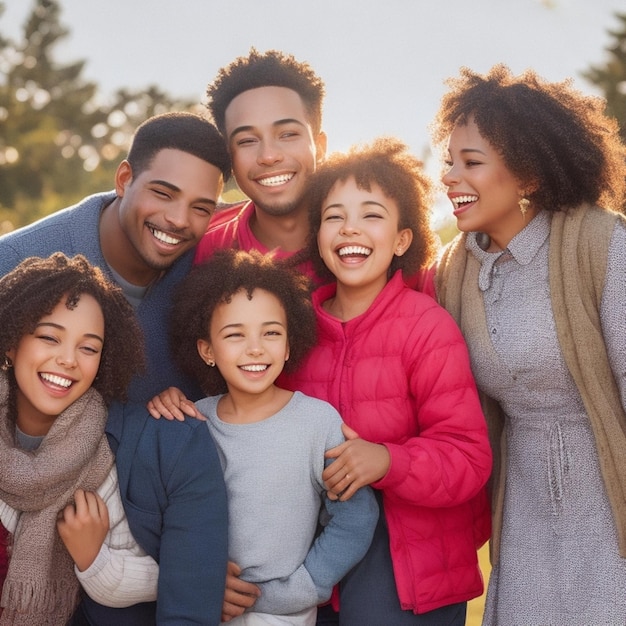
(268,107)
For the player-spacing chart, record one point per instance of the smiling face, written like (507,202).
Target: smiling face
(359,235)
(58,363)
(163,213)
(273,147)
(484,193)
(248,342)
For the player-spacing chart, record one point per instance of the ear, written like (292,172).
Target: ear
(123,177)
(205,351)
(287,352)
(321,143)
(403,241)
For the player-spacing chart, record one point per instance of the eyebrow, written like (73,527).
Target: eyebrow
(239,325)
(59,327)
(249,127)
(366,203)
(464,150)
(164,183)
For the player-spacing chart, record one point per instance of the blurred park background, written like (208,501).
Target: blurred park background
(64,128)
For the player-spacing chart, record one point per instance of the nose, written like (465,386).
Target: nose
(66,359)
(349,227)
(254,347)
(451,176)
(269,153)
(177,215)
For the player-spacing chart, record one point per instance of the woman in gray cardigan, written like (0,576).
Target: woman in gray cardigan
(537,284)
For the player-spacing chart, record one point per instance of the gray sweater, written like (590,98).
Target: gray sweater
(273,472)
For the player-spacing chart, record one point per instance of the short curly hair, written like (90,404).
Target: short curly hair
(215,282)
(387,163)
(270,69)
(552,138)
(37,285)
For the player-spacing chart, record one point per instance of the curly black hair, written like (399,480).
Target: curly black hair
(36,286)
(215,282)
(387,163)
(270,69)
(556,141)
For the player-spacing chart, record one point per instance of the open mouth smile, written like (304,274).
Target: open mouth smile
(274,181)
(358,251)
(57,381)
(254,367)
(159,235)
(461,201)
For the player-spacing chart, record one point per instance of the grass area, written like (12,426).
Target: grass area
(475,607)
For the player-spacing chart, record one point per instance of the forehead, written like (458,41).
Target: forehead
(185,171)
(348,190)
(264,106)
(86,312)
(262,304)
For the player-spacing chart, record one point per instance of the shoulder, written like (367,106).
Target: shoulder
(226,215)
(222,231)
(308,406)
(55,232)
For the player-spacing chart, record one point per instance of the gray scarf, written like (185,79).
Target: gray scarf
(41,587)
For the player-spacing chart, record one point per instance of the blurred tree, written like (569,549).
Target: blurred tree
(611,78)
(59,138)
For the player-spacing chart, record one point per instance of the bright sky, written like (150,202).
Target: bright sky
(384,62)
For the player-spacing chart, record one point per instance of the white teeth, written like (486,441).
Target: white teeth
(463,199)
(161,236)
(354,250)
(273,181)
(254,368)
(57,380)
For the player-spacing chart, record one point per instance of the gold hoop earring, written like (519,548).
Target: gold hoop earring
(210,362)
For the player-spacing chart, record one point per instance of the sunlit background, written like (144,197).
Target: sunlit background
(78,76)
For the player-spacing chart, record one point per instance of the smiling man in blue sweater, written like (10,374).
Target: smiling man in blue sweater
(143,235)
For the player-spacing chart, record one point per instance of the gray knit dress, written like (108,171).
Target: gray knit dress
(559,561)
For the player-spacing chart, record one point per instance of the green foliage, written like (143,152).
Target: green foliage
(60,139)
(611,78)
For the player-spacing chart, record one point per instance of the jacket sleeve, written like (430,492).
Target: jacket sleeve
(194,541)
(449,459)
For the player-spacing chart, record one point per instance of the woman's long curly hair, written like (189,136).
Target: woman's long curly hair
(36,286)
(556,141)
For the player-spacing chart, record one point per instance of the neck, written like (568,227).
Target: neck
(350,302)
(287,232)
(118,251)
(500,240)
(238,407)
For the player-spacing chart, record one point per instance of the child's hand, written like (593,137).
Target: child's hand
(357,463)
(239,595)
(173,404)
(83,526)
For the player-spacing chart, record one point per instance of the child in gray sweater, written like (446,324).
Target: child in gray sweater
(239,320)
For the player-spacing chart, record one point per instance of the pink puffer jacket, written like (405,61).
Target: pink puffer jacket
(399,375)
